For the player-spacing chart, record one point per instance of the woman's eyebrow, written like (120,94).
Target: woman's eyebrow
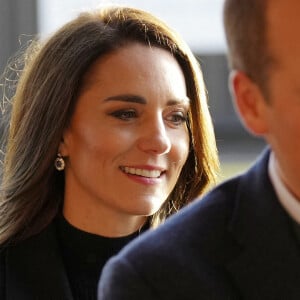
(127,98)
(142,100)
(184,100)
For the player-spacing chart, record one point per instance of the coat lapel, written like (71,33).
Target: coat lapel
(269,263)
(34,269)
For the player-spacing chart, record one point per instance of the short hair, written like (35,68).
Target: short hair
(32,190)
(245,26)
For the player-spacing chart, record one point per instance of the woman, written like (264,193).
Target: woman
(110,134)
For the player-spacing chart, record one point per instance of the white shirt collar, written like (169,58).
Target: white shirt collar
(287,200)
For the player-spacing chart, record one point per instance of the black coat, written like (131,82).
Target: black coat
(33,270)
(235,243)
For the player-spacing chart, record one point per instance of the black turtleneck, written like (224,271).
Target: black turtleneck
(84,255)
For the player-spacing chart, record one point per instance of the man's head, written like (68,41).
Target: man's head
(264,46)
(245,26)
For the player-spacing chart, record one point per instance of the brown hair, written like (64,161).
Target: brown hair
(246,33)
(32,190)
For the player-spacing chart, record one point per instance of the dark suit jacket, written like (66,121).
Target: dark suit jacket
(235,243)
(33,270)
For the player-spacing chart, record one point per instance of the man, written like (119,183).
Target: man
(242,240)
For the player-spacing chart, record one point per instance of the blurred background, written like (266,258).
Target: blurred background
(198,21)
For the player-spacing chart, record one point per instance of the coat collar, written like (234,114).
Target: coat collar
(34,269)
(269,263)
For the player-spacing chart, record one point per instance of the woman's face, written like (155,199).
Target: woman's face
(128,139)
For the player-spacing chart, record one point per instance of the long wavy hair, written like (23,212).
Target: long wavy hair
(32,191)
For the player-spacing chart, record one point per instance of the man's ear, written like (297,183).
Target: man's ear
(249,102)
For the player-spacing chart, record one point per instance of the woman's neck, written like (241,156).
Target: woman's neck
(104,222)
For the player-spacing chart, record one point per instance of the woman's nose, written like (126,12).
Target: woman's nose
(155,138)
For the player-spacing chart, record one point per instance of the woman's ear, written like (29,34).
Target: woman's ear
(249,102)
(63,145)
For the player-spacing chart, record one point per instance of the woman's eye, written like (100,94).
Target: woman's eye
(177,118)
(124,114)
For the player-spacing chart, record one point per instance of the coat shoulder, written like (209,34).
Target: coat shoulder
(2,272)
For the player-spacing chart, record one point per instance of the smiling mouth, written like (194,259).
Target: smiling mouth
(142,172)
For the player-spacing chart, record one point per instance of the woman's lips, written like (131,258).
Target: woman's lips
(149,173)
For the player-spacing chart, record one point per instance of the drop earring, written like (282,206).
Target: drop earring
(59,162)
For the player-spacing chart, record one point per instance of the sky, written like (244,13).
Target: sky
(198,21)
